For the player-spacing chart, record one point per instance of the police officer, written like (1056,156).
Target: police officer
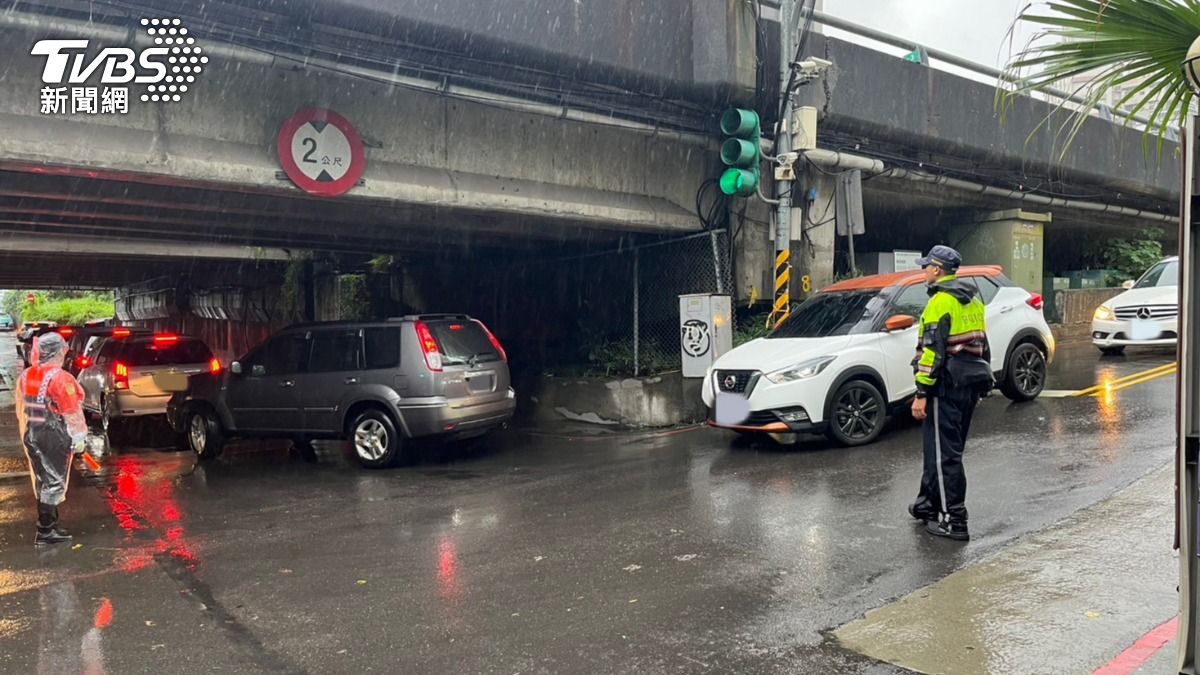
(953,370)
(50,416)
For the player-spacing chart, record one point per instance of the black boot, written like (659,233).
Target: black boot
(922,511)
(949,527)
(48,531)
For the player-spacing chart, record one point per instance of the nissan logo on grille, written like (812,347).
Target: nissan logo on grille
(1143,313)
(729,383)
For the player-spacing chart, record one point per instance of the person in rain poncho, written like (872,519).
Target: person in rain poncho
(49,406)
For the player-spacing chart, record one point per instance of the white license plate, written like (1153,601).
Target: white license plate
(731,409)
(1141,329)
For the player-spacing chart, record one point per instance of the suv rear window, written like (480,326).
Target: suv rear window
(147,353)
(462,341)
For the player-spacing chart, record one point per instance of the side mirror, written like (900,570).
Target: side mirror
(899,322)
(236,367)
(1127,284)
(258,371)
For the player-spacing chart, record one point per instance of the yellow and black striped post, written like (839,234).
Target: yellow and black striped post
(783,299)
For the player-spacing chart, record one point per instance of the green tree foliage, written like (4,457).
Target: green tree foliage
(14,303)
(1131,257)
(71,311)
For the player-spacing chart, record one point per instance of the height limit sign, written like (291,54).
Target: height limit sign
(321,152)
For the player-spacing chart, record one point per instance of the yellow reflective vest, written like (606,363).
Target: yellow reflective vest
(951,327)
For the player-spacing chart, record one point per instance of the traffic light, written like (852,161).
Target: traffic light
(741,152)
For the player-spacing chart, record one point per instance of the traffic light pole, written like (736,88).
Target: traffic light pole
(782,306)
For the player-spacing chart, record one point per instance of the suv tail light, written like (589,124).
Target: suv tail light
(165,339)
(66,332)
(495,342)
(120,376)
(214,366)
(429,346)
(1035,301)
(121,332)
(82,362)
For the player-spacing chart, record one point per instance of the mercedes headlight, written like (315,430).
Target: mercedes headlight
(1104,314)
(800,371)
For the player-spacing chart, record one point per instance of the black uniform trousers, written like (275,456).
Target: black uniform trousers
(943,481)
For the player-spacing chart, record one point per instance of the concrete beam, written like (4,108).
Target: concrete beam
(139,248)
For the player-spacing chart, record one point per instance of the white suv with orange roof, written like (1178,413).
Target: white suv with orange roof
(841,363)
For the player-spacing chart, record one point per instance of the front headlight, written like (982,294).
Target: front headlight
(1104,314)
(800,371)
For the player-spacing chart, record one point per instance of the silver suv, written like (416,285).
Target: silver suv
(134,374)
(373,383)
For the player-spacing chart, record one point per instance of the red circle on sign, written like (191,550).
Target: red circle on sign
(328,188)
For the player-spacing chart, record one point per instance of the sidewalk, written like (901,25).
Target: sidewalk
(1069,599)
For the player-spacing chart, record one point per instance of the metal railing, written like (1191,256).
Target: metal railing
(960,62)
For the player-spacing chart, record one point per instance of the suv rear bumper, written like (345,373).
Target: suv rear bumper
(457,420)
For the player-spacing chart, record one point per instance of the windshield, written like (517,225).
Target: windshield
(1162,274)
(830,314)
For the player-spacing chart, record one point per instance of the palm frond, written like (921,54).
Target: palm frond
(1115,42)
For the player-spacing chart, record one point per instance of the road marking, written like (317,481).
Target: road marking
(1057,393)
(1141,651)
(1128,380)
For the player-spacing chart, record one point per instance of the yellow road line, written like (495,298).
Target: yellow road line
(1164,369)
(1130,383)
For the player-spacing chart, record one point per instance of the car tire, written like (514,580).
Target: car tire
(112,427)
(375,440)
(204,435)
(1025,373)
(1113,351)
(857,413)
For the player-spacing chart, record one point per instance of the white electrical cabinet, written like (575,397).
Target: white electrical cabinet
(705,331)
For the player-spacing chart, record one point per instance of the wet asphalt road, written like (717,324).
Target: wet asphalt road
(681,552)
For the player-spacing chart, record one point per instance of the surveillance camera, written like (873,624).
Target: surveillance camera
(812,66)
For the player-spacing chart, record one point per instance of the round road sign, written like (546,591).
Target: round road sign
(321,152)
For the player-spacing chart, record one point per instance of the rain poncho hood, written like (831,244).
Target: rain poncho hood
(46,348)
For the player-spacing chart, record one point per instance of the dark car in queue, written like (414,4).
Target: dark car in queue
(28,333)
(84,341)
(377,384)
(134,375)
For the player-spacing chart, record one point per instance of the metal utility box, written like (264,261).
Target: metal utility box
(886,262)
(705,331)
(1012,239)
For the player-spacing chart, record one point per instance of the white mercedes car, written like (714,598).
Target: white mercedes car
(841,363)
(1146,315)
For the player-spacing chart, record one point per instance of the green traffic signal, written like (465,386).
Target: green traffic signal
(742,152)
(739,182)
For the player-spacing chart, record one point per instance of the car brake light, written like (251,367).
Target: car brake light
(495,342)
(165,339)
(121,332)
(120,376)
(83,362)
(66,332)
(433,353)
(1035,301)
(214,366)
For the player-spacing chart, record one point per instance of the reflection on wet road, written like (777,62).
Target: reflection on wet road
(690,552)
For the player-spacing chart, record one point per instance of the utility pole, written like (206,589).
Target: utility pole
(782,306)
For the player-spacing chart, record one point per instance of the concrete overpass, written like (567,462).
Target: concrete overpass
(492,131)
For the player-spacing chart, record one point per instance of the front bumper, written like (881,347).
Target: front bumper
(457,420)
(771,422)
(1118,334)
(789,407)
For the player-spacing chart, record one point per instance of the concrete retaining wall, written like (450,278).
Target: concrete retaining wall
(1077,305)
(660,401)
